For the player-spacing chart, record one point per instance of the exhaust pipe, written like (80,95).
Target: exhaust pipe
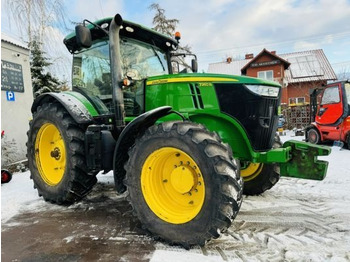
(116,70)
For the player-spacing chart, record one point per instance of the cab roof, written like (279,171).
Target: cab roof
(129,29)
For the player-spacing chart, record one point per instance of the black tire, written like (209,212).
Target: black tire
(348,140)
(6,176)
(220,173)
(313,136)
(263,177)
(75,182)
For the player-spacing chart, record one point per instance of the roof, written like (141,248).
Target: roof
(305,66)
(233,68)
(13,41)
(128,29)
(264,51)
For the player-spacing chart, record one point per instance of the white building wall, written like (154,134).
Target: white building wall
(15,115)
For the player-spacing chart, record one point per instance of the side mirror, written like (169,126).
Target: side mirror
(194,65)
(83,36)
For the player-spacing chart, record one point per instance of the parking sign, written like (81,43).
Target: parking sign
(10,96)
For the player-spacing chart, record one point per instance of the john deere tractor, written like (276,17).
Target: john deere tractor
(181,144)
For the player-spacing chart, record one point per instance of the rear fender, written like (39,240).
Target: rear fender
(127,138)
(77,105)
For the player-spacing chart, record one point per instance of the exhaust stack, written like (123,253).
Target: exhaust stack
(116,70)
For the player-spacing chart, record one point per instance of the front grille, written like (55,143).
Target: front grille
(258,115)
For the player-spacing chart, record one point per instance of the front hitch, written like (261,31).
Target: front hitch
(304,163)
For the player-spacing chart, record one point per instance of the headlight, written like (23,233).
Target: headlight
(261,90)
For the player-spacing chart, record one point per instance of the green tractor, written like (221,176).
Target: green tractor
(181,144)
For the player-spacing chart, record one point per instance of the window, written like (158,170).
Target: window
(296,101)
(347,90)
(267,75)
(330,96)
(91,72)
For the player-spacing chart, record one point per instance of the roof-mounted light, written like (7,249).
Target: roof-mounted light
(177,36)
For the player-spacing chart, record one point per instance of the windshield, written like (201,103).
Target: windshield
(91,71)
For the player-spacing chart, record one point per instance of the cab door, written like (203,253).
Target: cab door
(331,108)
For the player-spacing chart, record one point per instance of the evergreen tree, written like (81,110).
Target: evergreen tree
(168,26)
(42,81)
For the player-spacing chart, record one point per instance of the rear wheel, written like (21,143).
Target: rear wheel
(313,136)
(56,156)
(183,183)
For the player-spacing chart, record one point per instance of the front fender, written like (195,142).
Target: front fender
(77,105)
(127,138)
(230,131)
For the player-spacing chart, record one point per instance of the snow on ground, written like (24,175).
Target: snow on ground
(297,220)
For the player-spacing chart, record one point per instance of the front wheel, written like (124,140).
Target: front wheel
(259,177)
(183,183)
(313,136)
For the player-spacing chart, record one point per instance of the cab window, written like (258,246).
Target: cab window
(330,96)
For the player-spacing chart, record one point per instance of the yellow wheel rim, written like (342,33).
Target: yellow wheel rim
(172,185)
(251,171)
(50,154)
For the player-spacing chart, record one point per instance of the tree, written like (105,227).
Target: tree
(33,17)
(42,81)
(343,73)
(168,26)
(40,19)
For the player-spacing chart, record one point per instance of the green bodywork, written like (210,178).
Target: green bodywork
(297,159)
(181,92)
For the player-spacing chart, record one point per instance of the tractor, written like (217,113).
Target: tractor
(330,121)
(185,146)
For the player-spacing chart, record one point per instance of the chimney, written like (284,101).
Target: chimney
(229,60)
(249,56)
(273,52)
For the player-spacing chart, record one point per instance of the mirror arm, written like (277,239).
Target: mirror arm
(96,25)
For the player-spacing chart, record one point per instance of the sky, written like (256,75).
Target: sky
(216,29)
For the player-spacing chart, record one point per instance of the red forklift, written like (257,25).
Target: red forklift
(330,121)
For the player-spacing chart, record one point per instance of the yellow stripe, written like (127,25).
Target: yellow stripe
(191,79)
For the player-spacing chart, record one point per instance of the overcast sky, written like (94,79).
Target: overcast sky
(216,29)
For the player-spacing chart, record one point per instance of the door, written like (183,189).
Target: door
(331,108)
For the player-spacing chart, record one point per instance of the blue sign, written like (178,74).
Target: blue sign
(10,95)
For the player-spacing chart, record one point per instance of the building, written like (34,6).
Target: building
(16,99)
(297,72)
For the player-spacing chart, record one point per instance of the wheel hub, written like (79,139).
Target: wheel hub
(182,179)
(56,153)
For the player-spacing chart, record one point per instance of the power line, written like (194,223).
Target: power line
(276,43)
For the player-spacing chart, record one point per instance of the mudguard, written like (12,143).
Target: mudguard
(126,140)
(78,106)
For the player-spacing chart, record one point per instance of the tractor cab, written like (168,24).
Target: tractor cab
(143,53)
